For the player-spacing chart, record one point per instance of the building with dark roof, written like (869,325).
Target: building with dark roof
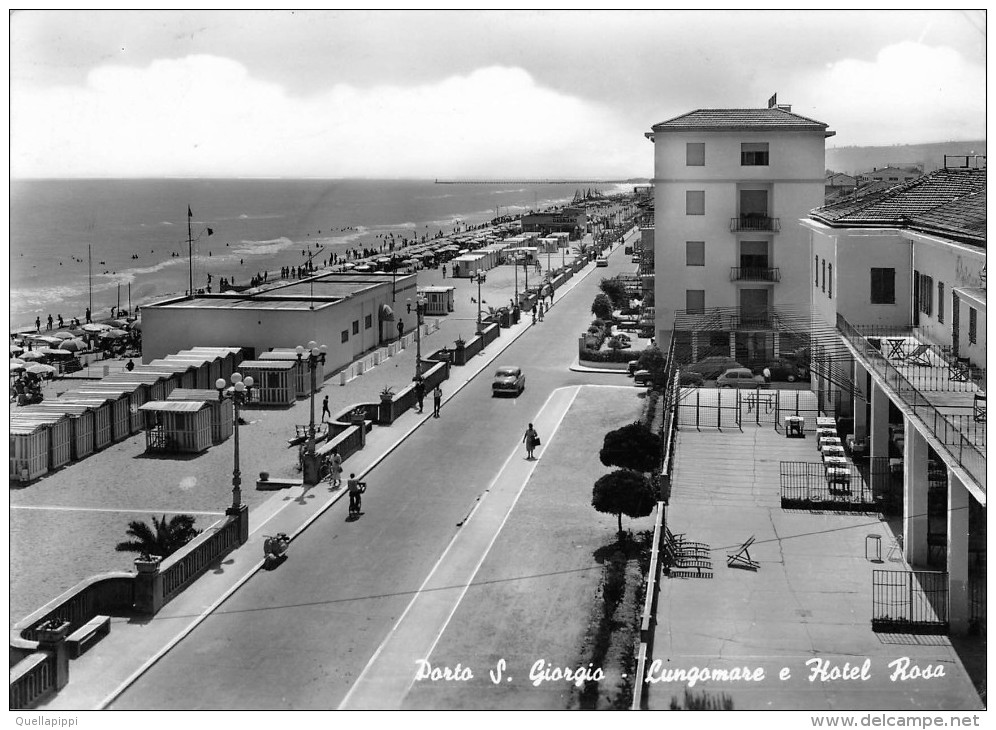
(898,293)
(730,186)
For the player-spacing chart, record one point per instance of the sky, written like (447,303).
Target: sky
(463,94)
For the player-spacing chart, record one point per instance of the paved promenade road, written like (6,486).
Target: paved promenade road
(299,637)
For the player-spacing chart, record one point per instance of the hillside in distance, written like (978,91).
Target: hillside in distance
(853,160)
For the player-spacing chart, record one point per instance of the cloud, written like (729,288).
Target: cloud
(910,93)
(207,116)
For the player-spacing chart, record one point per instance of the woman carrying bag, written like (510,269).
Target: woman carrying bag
(532,440)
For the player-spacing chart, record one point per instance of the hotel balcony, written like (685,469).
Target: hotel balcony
(751,222)
(753,273)
(947,394)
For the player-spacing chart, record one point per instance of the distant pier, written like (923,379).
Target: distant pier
(528,182)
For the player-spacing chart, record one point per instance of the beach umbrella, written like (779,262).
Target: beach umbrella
(95,327)
(31,355)
(73,345)
(46,340)
(39,369)
(63,335)
(113,334)
(349,266)
(16,361)
(118,322)
(16,366)
(16,349)
(136,326)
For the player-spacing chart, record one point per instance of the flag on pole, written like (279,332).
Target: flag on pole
(189,212)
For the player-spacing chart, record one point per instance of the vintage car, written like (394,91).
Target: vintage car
(508,379)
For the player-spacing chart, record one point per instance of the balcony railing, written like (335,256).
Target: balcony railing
(754,222)
(754,273)
(961,449)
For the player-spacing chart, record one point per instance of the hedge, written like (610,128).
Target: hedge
(610,355)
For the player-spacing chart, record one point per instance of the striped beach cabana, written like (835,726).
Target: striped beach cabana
(203,374)
(302,378)
(28,451)
(103,414)
(167,378)
(81,419)
(127,399)
(177,426)
(59,438)
(230,358)
(187,371)
(140,392)
(274,383)
(221,411)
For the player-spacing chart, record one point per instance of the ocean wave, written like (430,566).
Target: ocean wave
(506,192)
(262,248)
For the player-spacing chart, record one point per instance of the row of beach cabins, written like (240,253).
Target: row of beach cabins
(174,400)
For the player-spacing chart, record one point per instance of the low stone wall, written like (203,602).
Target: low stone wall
(401,401)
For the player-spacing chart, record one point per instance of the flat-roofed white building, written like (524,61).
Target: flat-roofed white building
(350,313)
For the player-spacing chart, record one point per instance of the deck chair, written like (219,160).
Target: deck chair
(741,558)
(918,356)
(685,562)
(959,371)
(979,407)
(681,546)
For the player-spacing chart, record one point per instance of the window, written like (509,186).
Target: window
(940,302)
(694,253)
(883,286)
(356,326)
(753,153)
(927,295)
(695,154)
(695,300)
(830,281)
(345,335)
(823,286)
(368,322)
(695,202)
(816,275)
(973,325)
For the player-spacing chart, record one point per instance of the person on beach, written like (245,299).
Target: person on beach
(37,324)
(437,401)
(325,408)
(61,322)
(49,322)
(532,440)
(88,315)
(444,271)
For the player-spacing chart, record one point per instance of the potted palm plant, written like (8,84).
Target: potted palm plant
(53,629)
(160,540)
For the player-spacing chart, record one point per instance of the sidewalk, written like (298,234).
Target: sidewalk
(134,645)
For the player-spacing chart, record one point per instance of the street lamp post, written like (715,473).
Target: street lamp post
(239,392)
(314,356)
(480,279)
(420,302)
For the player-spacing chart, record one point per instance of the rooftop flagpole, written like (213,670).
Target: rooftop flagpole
(190,249)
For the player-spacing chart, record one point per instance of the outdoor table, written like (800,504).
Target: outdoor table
(835,462)
(825,432)
(896,347)
(826,422)
(832,451)
(830,441)
(837,475)
(794,426)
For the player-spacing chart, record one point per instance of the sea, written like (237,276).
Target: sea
(124,243)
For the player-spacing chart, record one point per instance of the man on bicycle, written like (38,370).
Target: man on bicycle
(356,488)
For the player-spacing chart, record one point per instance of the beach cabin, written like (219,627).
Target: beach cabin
(154,383)
(139,393)
(438,299)
(222,419)
(302,377)
(187,371)
(168,380)
(273,381)
(127,397)
(59,438)
(467,265)
(28,451)
(103,414)
(548,245)
(230,357)
(81,419)
(563,239)
(202,368)
(177,426)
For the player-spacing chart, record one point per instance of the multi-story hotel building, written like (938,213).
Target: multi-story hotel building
(730,187)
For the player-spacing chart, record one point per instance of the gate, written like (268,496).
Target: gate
(809,485)
(722,408)
(910,602)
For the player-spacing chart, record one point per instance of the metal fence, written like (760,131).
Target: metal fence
(720,408)
(810,485)
(960,447)
(910,601)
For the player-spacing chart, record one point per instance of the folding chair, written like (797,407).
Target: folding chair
(685,562)
(918,356)
(681,546)
(959,370)
(741,558)
(979,407)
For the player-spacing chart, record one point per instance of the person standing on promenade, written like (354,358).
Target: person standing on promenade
(437,401)
(444,271)
(37,324)
(88,315)
(419,392)
(335,469)
(325,408)
(356,488)
(532,440)
(541,310)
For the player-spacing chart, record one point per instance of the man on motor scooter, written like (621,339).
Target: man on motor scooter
(356,488)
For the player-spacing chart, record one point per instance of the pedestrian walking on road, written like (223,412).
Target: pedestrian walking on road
(534,314)
(419,392)
(437,401)
(325,408)
(532,440)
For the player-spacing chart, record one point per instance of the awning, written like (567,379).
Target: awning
(386,313)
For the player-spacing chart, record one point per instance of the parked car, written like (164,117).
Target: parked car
(739,378)
(635,259)
(601,261)
(642,377)
(783,370)
(508,379)
(712,367)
